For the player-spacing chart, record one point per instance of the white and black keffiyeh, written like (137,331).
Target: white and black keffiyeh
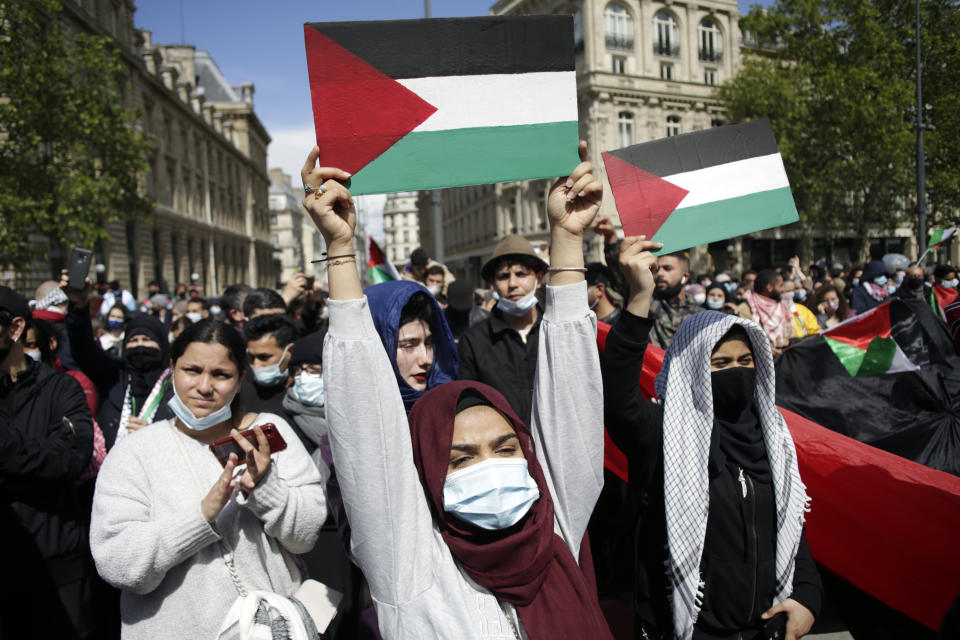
(684,387)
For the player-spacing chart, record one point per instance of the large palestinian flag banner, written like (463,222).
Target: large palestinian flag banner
(423,104)
(890,379)
(703,186)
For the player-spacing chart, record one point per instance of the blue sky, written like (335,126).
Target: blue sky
(262,42)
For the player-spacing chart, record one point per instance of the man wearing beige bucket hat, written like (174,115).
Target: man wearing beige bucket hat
(502,350)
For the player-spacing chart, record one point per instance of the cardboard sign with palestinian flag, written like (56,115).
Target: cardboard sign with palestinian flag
(703,186)
(424,104)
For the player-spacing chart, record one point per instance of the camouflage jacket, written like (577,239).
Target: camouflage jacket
(667,316)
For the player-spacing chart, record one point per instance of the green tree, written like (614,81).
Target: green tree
(836,78)
(71,157)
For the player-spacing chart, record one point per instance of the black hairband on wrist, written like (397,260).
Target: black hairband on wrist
(346,255)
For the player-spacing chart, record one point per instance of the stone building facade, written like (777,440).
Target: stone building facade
(401,226)
(646,69)
(207,173)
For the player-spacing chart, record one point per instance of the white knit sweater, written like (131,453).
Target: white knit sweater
(149,538)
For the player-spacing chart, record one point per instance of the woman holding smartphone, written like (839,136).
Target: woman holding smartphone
(177,532)
(466,522)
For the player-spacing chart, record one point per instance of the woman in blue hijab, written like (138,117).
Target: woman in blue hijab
(415,335)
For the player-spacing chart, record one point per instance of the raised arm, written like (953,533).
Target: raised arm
(633,423)
(100,367)
(392,529)
(566,425)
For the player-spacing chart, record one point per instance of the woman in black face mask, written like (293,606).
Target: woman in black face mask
(720,546)
(135,388)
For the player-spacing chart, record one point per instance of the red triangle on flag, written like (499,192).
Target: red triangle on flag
(860,331)
(644,201)
(358,111)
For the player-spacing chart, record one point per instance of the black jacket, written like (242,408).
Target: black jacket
(46,441)
(108,373)
(494,354)
(739,557)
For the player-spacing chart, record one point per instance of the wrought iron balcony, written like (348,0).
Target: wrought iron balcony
(624,43)
(711,55)
(666,49)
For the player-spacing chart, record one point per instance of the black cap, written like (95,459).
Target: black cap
(308,349)
(14,303)
(597,273)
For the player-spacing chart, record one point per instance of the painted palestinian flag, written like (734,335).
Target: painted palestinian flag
(379,269)
(703,186)
(940,298)
(940,237)
(423,104)
(864,346)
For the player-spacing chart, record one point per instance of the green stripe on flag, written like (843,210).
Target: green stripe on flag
(875,360)
(879,357)
(376,275)
(936,237)
(481,155)
(691,226)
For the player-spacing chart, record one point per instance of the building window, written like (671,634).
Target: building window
(673,126)
(619,64)
(273,220)
(275,239)
(624,129)
(711,49)
(666,35)
(710,77)
(716,122)
(666,71)
(617,27)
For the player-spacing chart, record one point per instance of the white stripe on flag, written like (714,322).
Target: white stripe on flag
(500,100)
(731,180)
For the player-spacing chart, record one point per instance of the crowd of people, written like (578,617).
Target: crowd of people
(442,466)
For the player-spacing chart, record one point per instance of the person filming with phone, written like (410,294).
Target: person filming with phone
(191,532)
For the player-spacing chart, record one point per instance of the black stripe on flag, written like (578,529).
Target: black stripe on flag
(701,149)
(458,46)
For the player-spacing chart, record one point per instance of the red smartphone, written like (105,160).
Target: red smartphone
(223,448)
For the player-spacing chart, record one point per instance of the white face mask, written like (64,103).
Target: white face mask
(516,308)
(33,354)
(950,284)
(493,494)
(308,387)
(187,417)
(699,298)
(435,289)
(271,375)
(194,317)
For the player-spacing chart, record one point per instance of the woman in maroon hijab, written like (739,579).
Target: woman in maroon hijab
(467,523)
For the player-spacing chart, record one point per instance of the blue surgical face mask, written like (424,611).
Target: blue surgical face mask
(194,423)
(950,284)
(856,281)
(33,354)
(516,307)
(713,303)
(731,287)
(891,288)
(880,280)
(271,375)
(493,494)
(308,387)
(194,317)
(799,294)
(114,325)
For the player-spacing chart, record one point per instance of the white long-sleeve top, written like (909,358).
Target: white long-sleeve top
(149,538)
(418,587)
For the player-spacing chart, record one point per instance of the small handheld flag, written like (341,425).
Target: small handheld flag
(702,186)
(425,104)
(379,269)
